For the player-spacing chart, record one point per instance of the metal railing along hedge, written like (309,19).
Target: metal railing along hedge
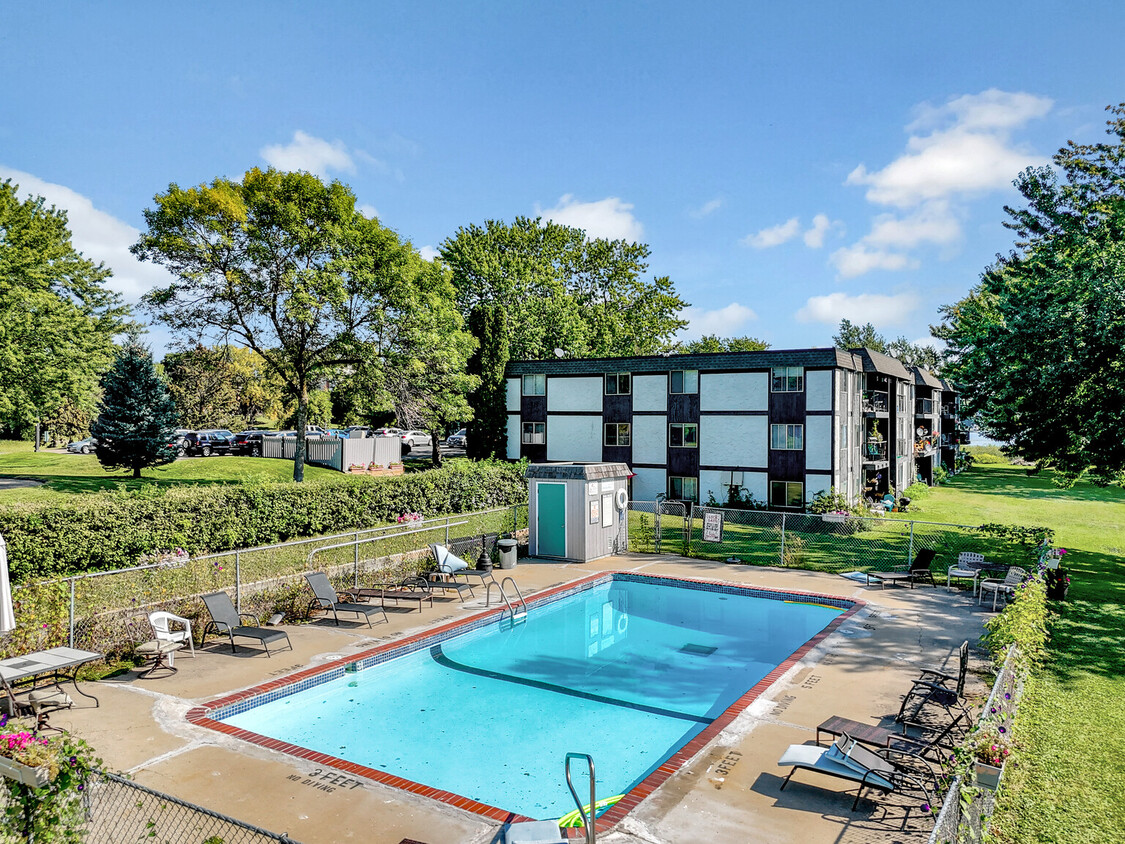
(832,542)
(118,810)
(107,611)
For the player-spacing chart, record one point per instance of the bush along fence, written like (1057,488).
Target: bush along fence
(1017,639)
(832,541)
(107,611)
(112,530)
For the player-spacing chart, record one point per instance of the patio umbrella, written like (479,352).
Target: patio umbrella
(7,613)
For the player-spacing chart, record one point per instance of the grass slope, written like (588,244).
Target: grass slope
(1067,787)
(70,474)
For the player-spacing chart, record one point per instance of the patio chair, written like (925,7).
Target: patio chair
(969,566)
(226,619)
(937,689)
(919,570)
(847,759)
(327,599)
(452,566)
(1007,586)
(162,628)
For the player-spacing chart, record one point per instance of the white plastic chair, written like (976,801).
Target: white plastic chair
(1008,585)
(162,627)
(969,564)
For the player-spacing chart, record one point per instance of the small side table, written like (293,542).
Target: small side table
(162,653)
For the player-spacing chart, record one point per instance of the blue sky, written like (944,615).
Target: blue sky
(788,165)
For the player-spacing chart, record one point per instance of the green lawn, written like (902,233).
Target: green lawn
(69,474)
(1068,784)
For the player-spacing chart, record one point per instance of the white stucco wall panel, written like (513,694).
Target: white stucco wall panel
(733,440)
(574,438)
(512,394)
(818,389)
(733,391)
(648,484)
(650,392)
(650,439)
(574,394)
(815,484)
(818,442)
(514,431)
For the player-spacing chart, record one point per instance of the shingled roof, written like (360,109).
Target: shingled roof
(825,358)
(878,362)
(926,378)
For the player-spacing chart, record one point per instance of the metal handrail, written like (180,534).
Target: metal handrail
(358,542)
(587,819)
(520,602)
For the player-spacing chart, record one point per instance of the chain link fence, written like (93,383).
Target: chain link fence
(831,542)
(107,612)
(115,810)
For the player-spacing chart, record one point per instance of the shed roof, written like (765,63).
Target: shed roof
(577,471)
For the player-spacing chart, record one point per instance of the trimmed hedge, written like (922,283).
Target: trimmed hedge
(112,530)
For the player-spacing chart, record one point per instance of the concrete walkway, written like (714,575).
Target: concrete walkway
(729,792)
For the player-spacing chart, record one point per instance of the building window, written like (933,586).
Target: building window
(683,436)
(534,433)
(788,379)
(535,385)
(683,381)
(683,489)
(618,433)
(787,494)
(787,437)
(618,384)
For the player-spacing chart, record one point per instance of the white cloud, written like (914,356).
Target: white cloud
(610,218)
(706,209)
(855,260)
(968,150)
(821,226)
(311,154)
(98,235)
(774,235)
(367,210)
(428,253)
(729,321)
(876,308)
(933,222)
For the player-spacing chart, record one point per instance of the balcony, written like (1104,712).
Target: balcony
(927,445)
(949,411)
(876,402)
(924,407)
(875,454)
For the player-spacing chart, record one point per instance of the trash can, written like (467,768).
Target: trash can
(507,553)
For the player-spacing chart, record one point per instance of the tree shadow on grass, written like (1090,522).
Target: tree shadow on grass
(1015,482)
(1088,630)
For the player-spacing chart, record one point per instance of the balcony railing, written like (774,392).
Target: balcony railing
(874,451)
(925,444)
(875,401)
(923,407)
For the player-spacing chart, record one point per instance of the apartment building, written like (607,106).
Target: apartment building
(779,426)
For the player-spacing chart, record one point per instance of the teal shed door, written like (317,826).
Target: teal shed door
(550,519)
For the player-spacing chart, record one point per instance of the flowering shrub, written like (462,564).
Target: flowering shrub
(409,518)
(173,559)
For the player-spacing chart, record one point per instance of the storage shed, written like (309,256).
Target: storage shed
(578,511)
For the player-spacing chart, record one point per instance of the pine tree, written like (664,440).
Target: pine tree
(137,417)
(488,430)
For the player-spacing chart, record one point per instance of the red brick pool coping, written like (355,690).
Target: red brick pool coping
(200,715)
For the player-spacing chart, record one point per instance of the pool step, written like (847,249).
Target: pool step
(534,832)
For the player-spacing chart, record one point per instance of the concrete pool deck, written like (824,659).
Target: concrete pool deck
(728,792)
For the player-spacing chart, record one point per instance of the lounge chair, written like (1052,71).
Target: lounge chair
(1006,586)
(919,570)
(848,759)
(410,589)
(327,599)
(226,619)
(452,566)
(937,689)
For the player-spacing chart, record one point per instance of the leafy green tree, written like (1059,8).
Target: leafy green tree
(562,290)
(222,387)
(287,266)
(1038,345)
(852,336)
(713,343)
(487,433)
(137,417)
(57,319)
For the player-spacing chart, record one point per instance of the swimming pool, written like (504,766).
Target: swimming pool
(632,669)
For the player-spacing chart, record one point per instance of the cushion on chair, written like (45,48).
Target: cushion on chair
(449,561)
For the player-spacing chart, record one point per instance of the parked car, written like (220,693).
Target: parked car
(249,442)
(388,432)
(413,439)
(358,432)
(206,443)
(456,440)
(85,446)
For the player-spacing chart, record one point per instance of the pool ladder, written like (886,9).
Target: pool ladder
(587,817)
(518,611)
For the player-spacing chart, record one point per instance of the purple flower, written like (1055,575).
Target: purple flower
(925,807)
(81,787)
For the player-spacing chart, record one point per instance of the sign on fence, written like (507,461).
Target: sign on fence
(712,526)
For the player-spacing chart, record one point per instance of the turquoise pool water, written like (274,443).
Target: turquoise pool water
(625,671)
